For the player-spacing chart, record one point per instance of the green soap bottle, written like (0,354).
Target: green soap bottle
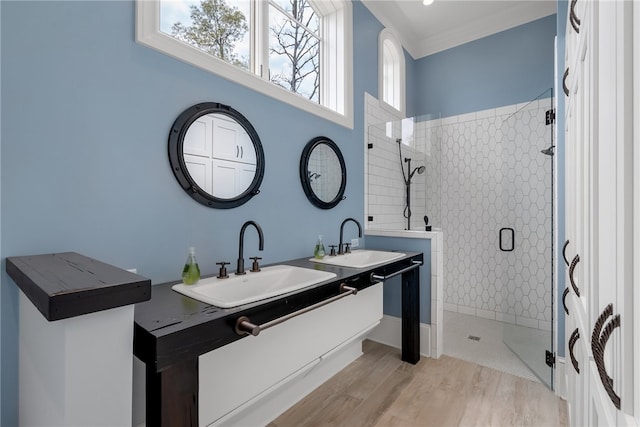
(191,271)
(318,252)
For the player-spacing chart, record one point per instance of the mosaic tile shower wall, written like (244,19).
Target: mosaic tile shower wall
(484,172)
(494,176)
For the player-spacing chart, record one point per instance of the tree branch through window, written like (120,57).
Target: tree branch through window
(294,41)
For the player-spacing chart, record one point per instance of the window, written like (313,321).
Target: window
(294,47)
(297,51)
(216,27)
(391,72)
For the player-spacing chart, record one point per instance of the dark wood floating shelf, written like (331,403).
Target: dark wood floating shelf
(69,284)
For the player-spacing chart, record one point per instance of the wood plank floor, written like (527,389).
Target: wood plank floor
(379,390)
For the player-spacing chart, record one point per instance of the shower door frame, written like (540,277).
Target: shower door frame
(550,136)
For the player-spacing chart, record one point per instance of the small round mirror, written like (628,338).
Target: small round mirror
(216,155)
(323,172)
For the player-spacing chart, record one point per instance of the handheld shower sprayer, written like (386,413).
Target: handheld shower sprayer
(419,169)
(407,181)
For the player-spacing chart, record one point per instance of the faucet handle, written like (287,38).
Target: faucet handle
(222,274)
(347,248)
(333,250)
(255,266)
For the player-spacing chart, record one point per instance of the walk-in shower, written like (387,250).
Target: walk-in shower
(487,184)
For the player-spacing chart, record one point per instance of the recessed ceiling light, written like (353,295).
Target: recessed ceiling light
(427,2)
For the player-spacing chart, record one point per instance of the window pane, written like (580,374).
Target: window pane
(218,27)
(390,75)
(294,55)
(301,11)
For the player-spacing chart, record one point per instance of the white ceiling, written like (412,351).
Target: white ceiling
(424,30)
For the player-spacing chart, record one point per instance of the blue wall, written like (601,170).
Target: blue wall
(84,143)
(412,81)
(507,68)
(84,153)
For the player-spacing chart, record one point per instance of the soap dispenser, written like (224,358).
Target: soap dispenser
(318,252)
(191,271)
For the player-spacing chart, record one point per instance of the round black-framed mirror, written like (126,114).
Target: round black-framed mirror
(216,155)
(323,172)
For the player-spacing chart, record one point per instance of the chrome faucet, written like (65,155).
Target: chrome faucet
(240,267)
(340,251)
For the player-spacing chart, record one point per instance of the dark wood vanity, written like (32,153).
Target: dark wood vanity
(172,331)
(68,284)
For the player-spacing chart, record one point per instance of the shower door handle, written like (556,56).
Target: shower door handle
(513,239)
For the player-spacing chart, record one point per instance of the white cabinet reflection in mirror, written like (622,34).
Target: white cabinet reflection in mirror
(219,155)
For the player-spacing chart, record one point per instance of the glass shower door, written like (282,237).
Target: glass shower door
(525,237)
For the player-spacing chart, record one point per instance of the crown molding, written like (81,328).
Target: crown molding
(516,14)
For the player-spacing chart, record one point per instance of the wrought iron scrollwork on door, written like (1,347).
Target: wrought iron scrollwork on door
(575,336)
(564,252)
(572,267)
(564,82)
(564,300)
(599,338)
(573,18)
(566,290)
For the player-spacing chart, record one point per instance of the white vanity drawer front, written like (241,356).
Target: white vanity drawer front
(235,373)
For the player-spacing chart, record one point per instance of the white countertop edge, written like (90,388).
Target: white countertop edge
(410,234)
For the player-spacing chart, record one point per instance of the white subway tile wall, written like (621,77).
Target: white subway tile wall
(384,165)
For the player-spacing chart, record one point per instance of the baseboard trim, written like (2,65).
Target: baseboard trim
(389,332)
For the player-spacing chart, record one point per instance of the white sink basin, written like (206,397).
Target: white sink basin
(360,258)
(237,290)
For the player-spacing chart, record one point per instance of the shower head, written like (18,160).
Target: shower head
(419,169)
(548,151)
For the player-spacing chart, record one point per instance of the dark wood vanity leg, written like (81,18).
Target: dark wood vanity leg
(411,316)
(172,395)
